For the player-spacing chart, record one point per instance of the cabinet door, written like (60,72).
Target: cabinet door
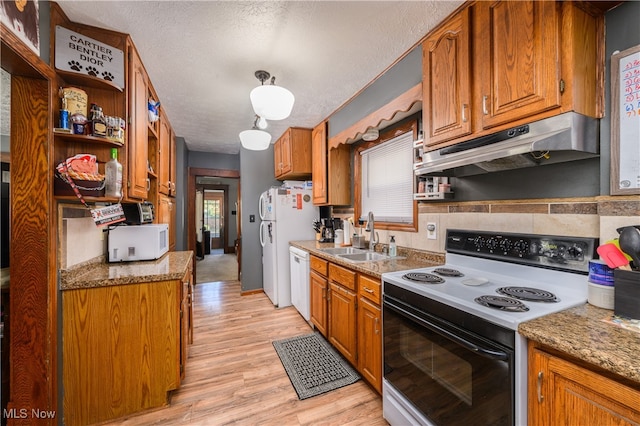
(342,321)
(572,395)
(137,185)
(164,166)
(517,59)
(167,214)
(319,163)
(318,308)
(447,81)
(172,163)
(370,343)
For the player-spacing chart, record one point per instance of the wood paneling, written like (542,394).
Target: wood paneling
(33,286)
(234,375)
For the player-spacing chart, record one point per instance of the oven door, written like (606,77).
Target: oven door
(450,375)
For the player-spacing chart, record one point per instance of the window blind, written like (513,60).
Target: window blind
(387,180)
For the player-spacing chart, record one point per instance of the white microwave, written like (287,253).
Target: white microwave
(127,243)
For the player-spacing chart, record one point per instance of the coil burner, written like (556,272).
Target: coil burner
(448,272)
(423,277)
(502,303)
(529,294)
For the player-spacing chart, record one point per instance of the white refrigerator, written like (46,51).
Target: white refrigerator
(286,214)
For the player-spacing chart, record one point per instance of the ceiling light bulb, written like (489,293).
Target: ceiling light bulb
(255,140)
(261,123)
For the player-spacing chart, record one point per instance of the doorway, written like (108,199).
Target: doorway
(213,212)
(213,220)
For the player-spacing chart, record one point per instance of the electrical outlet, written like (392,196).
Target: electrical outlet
(432,231)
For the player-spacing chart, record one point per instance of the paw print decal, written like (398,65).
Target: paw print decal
(75,65)
(92,71)
(107,76)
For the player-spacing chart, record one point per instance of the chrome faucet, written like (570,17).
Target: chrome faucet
(370,227)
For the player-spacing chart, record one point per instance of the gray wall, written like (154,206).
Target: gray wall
(182,179)
(257,175)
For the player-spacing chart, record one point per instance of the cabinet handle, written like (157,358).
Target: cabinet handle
(148,184)
(368,290)
(485,111)
(464,113)
(377,329)
(539,387)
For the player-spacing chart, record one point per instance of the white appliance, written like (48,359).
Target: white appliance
(300,291)
(137,242)
(463,316)
(287,214)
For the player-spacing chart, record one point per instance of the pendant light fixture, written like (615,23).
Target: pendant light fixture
(269,101)
(256,139)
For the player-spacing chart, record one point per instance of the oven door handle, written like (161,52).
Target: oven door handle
(487,353)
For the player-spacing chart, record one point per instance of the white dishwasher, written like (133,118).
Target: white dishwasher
(300,297)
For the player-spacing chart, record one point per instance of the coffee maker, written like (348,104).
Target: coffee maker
(327,230)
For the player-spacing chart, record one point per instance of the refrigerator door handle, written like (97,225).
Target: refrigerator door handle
(269,227)
(261,207)
(262,234)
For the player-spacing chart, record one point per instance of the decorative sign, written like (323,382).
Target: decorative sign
(80,54)
(625,125)
(22,17)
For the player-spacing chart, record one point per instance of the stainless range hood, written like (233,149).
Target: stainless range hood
(565,137)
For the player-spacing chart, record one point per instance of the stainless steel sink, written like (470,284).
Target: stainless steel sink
(365,256)
(341,250)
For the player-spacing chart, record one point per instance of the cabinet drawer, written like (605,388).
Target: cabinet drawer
(319,265)
(369,288)
(342,276)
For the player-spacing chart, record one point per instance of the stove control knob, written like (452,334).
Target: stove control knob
(506,245)
(492,243)
(575,252)
(479,243)
(521,247)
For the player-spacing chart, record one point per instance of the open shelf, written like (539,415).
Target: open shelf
(70,137)
(87,80)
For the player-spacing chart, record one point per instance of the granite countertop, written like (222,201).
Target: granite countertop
(406,259)
(172,266)
(586,332)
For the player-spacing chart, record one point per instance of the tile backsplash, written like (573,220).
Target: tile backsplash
(590,217)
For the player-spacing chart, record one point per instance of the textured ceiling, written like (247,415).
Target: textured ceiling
(201,55)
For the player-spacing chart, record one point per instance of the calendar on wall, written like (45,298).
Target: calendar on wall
(625,122)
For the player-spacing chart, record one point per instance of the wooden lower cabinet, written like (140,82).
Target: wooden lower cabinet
(123,349)
(345,308)
(370,330)
(342,321)
(564,393)
(319,288)
(370,342)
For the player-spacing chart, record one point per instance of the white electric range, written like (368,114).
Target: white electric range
(452,353)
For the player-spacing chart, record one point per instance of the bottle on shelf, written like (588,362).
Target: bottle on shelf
(393,249)
(98,124)
(113,176)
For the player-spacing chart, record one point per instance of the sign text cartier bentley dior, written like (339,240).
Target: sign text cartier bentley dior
(80,54)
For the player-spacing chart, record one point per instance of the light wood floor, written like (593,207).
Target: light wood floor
(234,375)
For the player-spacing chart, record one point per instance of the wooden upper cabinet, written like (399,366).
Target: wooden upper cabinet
(137,179)
(319,163)
(517,49)
(447,90)
(167,161)
(331,170)
(292,154)
(499,64)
